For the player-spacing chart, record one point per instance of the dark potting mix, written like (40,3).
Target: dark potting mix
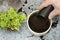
(38,24)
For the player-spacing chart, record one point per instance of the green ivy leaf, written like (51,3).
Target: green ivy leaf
(22,17)
(3,24)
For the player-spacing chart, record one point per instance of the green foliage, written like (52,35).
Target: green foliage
(22,17)
(10,19)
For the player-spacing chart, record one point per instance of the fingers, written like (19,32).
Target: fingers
(44,4)
(53,13)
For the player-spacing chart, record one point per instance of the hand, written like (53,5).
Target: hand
(55,3)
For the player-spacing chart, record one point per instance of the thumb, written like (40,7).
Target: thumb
(53,14)
(44,4)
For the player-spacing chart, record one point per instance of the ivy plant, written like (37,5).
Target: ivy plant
(10,19)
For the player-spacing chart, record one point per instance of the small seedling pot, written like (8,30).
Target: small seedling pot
(35,33)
